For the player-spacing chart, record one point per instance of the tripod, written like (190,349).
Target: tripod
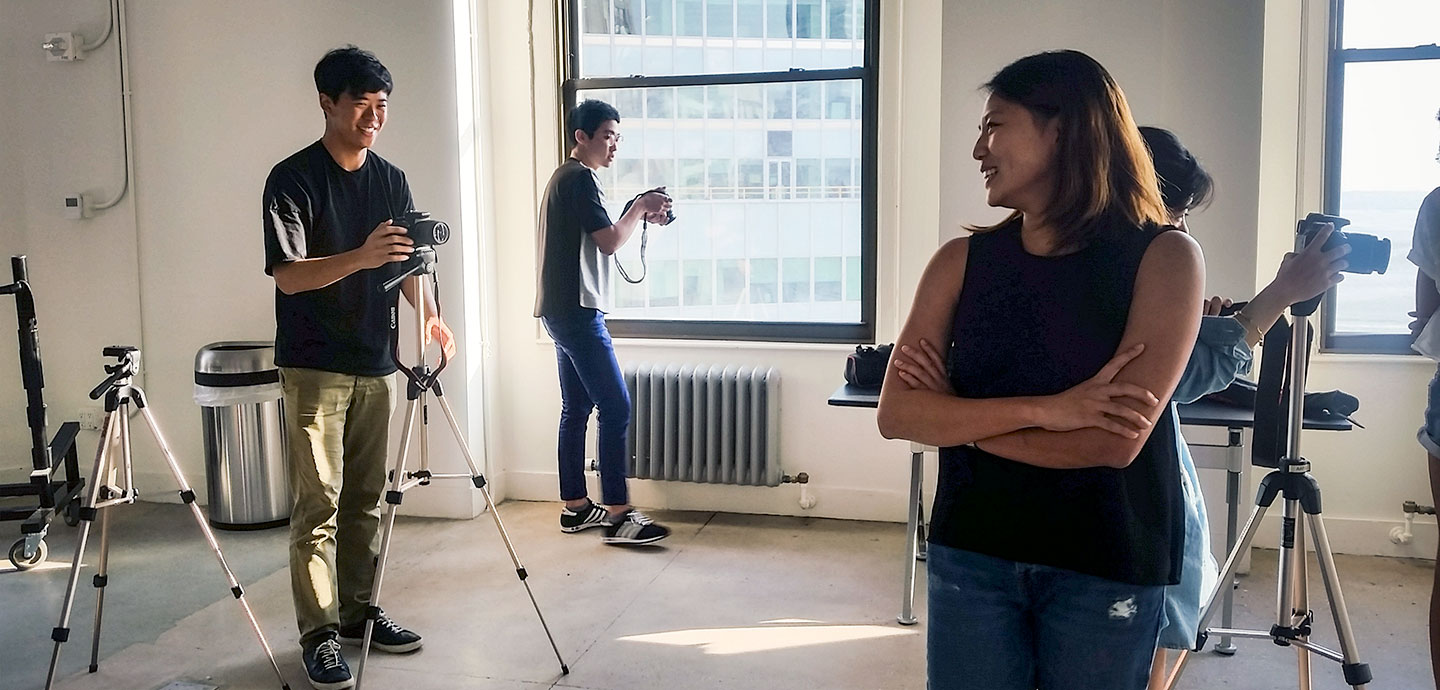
(113,484)
(422,381)
(1301,492)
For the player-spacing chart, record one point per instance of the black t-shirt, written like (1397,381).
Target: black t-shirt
(1038,325)
(314,208)
(574,276)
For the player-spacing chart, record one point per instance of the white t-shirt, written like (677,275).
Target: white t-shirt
(1425,254)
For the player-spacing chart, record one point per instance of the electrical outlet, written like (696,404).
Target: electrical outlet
(89,417)
(63,47)
(73,207)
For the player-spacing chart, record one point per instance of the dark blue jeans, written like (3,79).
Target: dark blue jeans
(589,379)
(1003,625)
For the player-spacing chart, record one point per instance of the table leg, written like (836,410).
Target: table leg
(912,533)
(1233,469)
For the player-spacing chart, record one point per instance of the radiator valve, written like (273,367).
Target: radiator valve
(807,500)
(1404,535)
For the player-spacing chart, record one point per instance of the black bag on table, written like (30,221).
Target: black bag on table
(866,367)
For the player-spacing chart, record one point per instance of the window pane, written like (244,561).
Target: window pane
(664,283)
(777,13)
(661,37)
(827,279)
(1377,24)
(720,18)
(841,19)
(597,16)
(691,101)
(808,19)
(698,284)
(767,208)
(690,17)
(749,18)
(764,281)
(658,18)
(1387,166)
(778,101)
(627,16)
(797,280)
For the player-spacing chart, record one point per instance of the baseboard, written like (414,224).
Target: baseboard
(1357,536)
(1360,536)
(831,502)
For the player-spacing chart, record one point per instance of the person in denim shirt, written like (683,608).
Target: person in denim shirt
(1222,352)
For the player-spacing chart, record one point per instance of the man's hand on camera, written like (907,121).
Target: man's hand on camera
(1312,271)
(386,244)
(435,328)
(656,206)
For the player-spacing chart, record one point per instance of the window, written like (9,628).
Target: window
(1381,144)
(759,117)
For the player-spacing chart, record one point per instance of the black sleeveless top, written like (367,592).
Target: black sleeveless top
(1029,325)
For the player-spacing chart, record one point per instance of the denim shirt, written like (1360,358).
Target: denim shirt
(1220,355)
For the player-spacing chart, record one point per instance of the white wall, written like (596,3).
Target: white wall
(217,103)
(221,92)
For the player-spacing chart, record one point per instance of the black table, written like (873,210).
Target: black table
(1200,413)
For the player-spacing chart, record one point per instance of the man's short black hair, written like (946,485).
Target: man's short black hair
(587,117)
(353,71)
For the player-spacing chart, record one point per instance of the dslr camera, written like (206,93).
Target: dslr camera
(422,229)
(1368,253)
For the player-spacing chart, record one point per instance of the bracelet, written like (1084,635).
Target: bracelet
(1249,326)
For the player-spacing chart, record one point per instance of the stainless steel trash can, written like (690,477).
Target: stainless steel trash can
(237,386)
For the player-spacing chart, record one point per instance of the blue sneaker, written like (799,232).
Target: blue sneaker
(324,666)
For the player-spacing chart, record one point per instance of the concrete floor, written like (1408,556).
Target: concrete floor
(733,601)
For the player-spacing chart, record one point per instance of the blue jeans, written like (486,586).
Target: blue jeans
(589,379)
(1002,625)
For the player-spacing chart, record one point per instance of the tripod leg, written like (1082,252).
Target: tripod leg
(1232,563)
(387,527)
(1300,609)
(1357,674)
(102,578)
(61,633)
(479,480)
(188,496)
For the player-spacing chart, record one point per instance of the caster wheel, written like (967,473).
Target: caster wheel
(18,559)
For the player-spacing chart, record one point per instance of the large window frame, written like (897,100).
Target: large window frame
(1339,57)
(569,33)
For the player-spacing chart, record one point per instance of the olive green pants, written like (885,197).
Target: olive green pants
(338,428)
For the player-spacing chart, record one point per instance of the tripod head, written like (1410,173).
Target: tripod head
(421,261)
(124,369)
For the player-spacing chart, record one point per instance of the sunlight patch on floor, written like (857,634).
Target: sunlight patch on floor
(785,633)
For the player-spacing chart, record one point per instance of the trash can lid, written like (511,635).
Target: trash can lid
(236,357)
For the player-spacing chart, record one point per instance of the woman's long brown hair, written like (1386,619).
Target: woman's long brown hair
(1103,173)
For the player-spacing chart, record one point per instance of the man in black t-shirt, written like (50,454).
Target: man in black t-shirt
(575,240)
(329,245)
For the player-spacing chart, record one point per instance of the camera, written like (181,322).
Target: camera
(421,229)
(1368,253)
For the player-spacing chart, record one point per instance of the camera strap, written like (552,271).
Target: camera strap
(644,242)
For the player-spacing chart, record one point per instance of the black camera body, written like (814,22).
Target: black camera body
(1368,253)
(423,230)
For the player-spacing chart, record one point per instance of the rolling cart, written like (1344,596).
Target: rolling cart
(53,496)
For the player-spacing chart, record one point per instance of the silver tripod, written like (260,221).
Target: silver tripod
(421,382)
(113,484)
(1301,492)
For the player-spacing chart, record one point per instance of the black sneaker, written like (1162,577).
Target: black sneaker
(634,527)
(388,636)
(325,667)
(572,521)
